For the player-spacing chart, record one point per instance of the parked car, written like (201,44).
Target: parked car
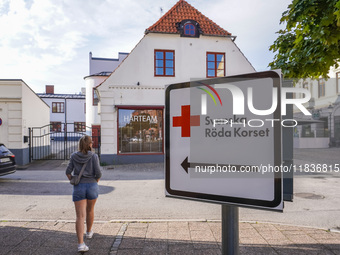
(7,161)
(134,139)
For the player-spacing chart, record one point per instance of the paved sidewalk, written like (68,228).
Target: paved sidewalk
(164,237)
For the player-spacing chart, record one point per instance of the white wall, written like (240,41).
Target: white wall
(190,62)
(20,108)
(35,112)
(98,65)
(313,142)
(11,113)
(55,117)
(190,59)
(75,110)
(92,116)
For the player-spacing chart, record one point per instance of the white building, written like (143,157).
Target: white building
(100,69)
(20,109)
(105,65)
(65,108)
(181,45)
(322,129)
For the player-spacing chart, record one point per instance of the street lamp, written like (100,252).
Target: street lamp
(330,109)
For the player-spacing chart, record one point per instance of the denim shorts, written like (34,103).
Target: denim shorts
(85,191)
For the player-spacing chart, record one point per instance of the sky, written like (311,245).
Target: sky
(47,42)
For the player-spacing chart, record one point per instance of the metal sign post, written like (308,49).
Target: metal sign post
(230,230)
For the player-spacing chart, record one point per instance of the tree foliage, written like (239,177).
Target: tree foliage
(310,43)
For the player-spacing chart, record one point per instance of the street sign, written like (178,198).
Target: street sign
(223,140)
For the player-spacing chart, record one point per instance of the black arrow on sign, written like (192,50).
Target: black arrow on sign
(186,165)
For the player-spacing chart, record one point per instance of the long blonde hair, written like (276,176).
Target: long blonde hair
(85,144)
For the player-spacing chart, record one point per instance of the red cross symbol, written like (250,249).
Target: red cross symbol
(186,121)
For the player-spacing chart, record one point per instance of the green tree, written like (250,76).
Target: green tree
(310,43)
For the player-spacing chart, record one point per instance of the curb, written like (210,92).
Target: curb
(128,221)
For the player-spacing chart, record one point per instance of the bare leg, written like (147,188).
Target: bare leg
(90,214)
(80,218)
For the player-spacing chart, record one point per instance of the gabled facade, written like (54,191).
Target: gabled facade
(20,109)
(184,44)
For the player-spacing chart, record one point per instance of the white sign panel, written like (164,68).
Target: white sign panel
(223,140)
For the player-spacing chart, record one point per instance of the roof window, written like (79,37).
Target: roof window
(189,28)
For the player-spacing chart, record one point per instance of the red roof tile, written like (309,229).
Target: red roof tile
(183,10)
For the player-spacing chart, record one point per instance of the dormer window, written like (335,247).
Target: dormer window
(189,28)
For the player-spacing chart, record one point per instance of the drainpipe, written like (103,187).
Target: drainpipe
(65,129)
(65,111)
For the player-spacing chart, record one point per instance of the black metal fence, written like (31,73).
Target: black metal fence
(59,141)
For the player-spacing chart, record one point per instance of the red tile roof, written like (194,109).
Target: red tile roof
(180,11)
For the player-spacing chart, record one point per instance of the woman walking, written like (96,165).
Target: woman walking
(85,194)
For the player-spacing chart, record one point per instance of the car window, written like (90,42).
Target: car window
(3,149)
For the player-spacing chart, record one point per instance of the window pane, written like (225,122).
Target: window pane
(159,55)
(159,71)
(211,65)
(189,29)
(321,87)
(211,57)
(169,63)
(159,63)
(169,71)
(169,55)
(140,131)
(211,73)
(220,65)
(220,73)
(220,57)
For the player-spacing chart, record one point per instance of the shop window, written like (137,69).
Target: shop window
(95,99)
(321,87)
(140,130)
(337,128)
(215,64)
(57,107)
(79,127)
(307,131)
(55,126)
(164,63)
(321,129)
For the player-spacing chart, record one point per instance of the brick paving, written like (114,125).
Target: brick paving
(171,237)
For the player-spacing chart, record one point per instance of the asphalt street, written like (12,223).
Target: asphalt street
(136,192)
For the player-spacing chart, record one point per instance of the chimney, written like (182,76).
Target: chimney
(49,89)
